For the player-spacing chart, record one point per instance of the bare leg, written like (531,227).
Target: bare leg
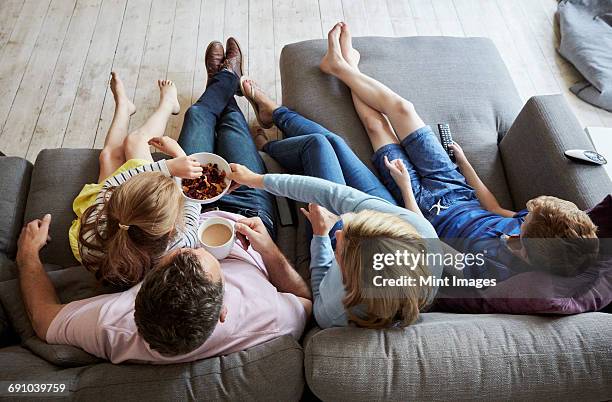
(376,124)
(113,155)
(264,103)
(136,144)
(401,113)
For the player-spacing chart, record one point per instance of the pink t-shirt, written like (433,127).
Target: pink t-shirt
(256,312)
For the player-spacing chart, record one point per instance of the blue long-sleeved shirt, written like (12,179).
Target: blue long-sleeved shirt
(326,277)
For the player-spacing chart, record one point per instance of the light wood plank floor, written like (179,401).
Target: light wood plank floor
(56,55)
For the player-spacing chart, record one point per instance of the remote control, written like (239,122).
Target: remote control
(446,139)
(582,155)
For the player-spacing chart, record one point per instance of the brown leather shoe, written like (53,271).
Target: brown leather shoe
(233,57)
(213,58)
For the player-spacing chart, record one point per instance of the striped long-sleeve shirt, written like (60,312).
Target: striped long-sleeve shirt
(186,236)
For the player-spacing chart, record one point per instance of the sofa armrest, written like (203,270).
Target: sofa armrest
(533,156)
(15,183)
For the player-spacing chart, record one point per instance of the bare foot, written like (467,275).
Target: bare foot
(333,60)
(168,96)
(260,137)
(350,54)
(265,105)
(121,98)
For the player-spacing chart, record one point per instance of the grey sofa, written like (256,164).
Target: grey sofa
(444,356)
(519,155)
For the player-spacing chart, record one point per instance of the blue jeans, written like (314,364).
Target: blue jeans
(216,124)
(435,178)
(312,150)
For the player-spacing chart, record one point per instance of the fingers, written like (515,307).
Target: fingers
(387,163)
(254,223)
(46,221)
(243,240)
(245,229)
(400,164)
(195,169)
(391,165)
(235,174)
(233,186)
(35,224)
(306,213)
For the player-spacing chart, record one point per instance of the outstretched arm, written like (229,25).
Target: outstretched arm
(337,198)
(39,296)
(486,198)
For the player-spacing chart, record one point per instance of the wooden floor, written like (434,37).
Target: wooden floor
(56,55)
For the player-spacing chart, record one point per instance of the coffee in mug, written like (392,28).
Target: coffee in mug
(216,235)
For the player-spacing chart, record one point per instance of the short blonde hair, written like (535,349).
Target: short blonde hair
(559,235)
(384,305)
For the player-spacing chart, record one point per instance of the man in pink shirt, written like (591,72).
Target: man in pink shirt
(189,307)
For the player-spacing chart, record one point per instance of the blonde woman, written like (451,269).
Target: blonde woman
(343,282)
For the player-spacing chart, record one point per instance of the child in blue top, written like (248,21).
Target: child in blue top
(457,203)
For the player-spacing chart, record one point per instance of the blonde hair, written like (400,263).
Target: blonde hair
(559,235)
(132,229)
(384,305)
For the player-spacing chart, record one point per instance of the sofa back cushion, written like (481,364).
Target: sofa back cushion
(58,177)
(459,81)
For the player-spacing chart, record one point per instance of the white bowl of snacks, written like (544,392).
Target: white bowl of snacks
(214,182)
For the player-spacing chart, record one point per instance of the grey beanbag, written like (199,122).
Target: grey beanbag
(586,42)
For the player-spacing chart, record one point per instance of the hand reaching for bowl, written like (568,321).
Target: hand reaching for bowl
(167,145)
(241,175)
(185,167)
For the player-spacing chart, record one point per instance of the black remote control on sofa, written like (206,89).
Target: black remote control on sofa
(446,139)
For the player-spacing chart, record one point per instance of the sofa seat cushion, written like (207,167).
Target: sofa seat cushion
(459,81)
(456,356)
(270,371)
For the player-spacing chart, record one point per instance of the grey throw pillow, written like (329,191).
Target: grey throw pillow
(586,41)
(71,284)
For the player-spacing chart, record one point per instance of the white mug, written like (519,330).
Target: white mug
(223,250)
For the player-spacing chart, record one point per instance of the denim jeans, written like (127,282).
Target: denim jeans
(216,124)
(434,177)
(310,149)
